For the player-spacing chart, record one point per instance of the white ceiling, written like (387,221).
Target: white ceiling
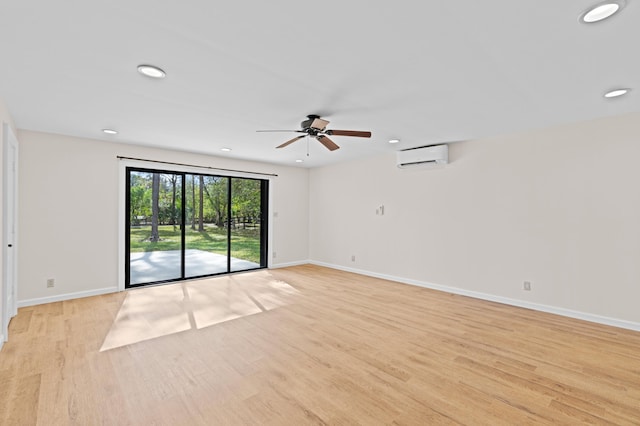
(421,71)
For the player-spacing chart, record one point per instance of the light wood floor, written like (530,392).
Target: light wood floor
(309,345)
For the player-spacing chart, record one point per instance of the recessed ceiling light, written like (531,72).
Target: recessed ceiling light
(151,71)
(615,93)
(299,161)
(394,141)
(110,131)
(602,11)
(225,149)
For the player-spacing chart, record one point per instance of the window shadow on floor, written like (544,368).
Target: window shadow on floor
(153,312)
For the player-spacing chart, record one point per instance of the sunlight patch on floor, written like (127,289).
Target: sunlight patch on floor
(153,312)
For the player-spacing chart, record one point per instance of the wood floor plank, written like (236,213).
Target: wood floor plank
(26,393)
(20,324)
(311,345)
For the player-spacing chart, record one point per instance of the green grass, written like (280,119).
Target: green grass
(245,243)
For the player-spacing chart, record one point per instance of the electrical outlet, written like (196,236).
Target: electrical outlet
(353,257)
(527,286)
(51,283)
(274,255)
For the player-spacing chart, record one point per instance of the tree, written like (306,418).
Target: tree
(174,180)
(201,211)
(140,196)
(155,207)
(245,197)
(193,202)
(216,191)
(136,201)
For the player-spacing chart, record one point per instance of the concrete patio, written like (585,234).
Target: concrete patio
(147,267)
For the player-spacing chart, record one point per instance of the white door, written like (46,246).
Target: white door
(9,235)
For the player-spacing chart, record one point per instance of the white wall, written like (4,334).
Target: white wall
(558,207)
(68,210)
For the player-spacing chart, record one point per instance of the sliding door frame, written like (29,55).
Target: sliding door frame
(127,273)
(123,211)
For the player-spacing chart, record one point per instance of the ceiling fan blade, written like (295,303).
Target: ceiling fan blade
(355,133)
(319,124)
(289,142)
(328,143)
(264,131)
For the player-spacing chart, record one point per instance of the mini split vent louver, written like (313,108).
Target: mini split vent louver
(423,156)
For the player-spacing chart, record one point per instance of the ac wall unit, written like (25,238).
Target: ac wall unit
(423,156)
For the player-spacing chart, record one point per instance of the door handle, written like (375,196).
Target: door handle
(10,245)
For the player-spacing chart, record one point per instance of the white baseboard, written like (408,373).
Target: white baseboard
(288,264)
(67,296)
(614,322)
(1,341)
(97,292)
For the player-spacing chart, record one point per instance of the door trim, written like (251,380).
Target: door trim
(9,283)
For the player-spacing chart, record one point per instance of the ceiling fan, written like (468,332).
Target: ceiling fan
(317,127)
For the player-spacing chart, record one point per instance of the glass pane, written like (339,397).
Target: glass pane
(155,238)
(206,234)
(245,223)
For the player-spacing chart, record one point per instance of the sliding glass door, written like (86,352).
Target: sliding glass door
(245,224)
(155,217)
(207,244)
(184,225)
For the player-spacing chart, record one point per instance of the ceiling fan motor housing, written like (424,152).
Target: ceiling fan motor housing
(306,124)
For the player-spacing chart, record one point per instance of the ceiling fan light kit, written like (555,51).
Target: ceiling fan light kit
(317,127)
